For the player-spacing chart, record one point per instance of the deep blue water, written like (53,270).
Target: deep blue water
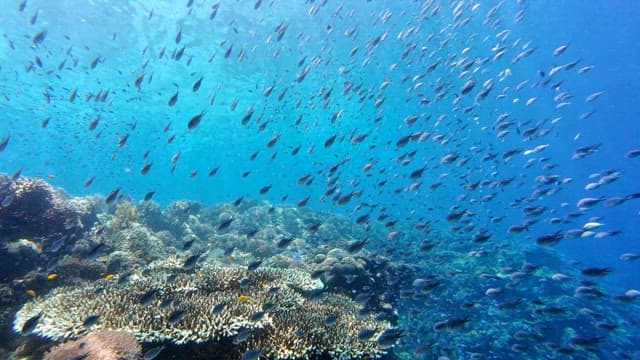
(127,41)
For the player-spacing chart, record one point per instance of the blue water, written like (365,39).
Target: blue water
(128,36)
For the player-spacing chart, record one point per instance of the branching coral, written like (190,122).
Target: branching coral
(166,303)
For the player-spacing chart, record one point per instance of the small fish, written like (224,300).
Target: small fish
(357,245)
(123,140)
(196,85)
(176,316)
(265,189)
(90,321)
(596,271)
(52,276)
(149,195)
(241,336)
(147,297)
(153,352)
(174,98)
(112,196)
(243,298)
(218,309)
(94,253)
(225,224)
(389,337)
(31,293)
(251,354)
(4,142)
(285,241)
(366,334)
(195,121)
(39,37)
(109,277)
(30,324)
(191,261)
(253,266)
(257,316)
(89,181)
(145,169)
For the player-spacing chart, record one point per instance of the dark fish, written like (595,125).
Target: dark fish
(174,98)
(112,196)
(95,62)
(45,122)
(145,169)
(30,324)
(196,85)
(213,171)
(73,95)
(253,266)
(357,245)
(94,123)
(91,320)
(225,224)
(330,141)
(265,189)
(188,244)
(366,334)
(179,36)
(331,320)
(596,271)
(389,337)
(176,316)
(149,195)
(241,336)
(257,316)
(191,261)
(285,241)
(153,352)
(4,142)
(39,37)
(251,354)
(123,140)
(195,121)
(147,297)
(95,251)
(218,309)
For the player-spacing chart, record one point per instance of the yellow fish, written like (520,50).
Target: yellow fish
(52,276)
(31,293)
(108,277)
(244,298)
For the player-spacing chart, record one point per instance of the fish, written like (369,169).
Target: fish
(389,337)
(4,142)
(218,309)
(91,320)
(147,297)
(225,223)
(148,196)
(153,352)
(30,325)
(95,251)
(251,354)
(196,85)
(190,262)
(145,169)
(176,316)
(39,37)
(195,121)
(173,99)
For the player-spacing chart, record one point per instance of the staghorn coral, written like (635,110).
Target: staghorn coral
(98,345)
(294,326)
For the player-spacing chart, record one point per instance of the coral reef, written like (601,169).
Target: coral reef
(32,208)
(98,345)
(164,302)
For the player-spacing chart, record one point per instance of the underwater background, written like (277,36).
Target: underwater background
(487,151)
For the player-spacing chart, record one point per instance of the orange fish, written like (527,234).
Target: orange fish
(52,276)
(31,293)
(108,277)
(244,298)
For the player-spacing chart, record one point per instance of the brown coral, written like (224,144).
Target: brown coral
(98,345)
